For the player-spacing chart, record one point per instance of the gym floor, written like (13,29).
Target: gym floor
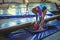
(55,36)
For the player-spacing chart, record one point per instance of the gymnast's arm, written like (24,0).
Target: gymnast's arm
(42,20)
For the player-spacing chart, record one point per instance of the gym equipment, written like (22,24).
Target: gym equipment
(38,35)
(22,26)
(20,35)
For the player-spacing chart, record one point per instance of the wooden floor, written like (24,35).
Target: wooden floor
(55,36)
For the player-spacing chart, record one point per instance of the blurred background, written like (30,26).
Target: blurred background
(14,16)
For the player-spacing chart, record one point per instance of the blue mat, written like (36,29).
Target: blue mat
(25,35)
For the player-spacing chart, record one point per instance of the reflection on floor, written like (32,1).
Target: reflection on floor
(6,23)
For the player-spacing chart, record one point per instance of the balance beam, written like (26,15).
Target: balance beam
(22,26)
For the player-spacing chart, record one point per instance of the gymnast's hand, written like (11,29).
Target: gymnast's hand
(40,27)
(36,22)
